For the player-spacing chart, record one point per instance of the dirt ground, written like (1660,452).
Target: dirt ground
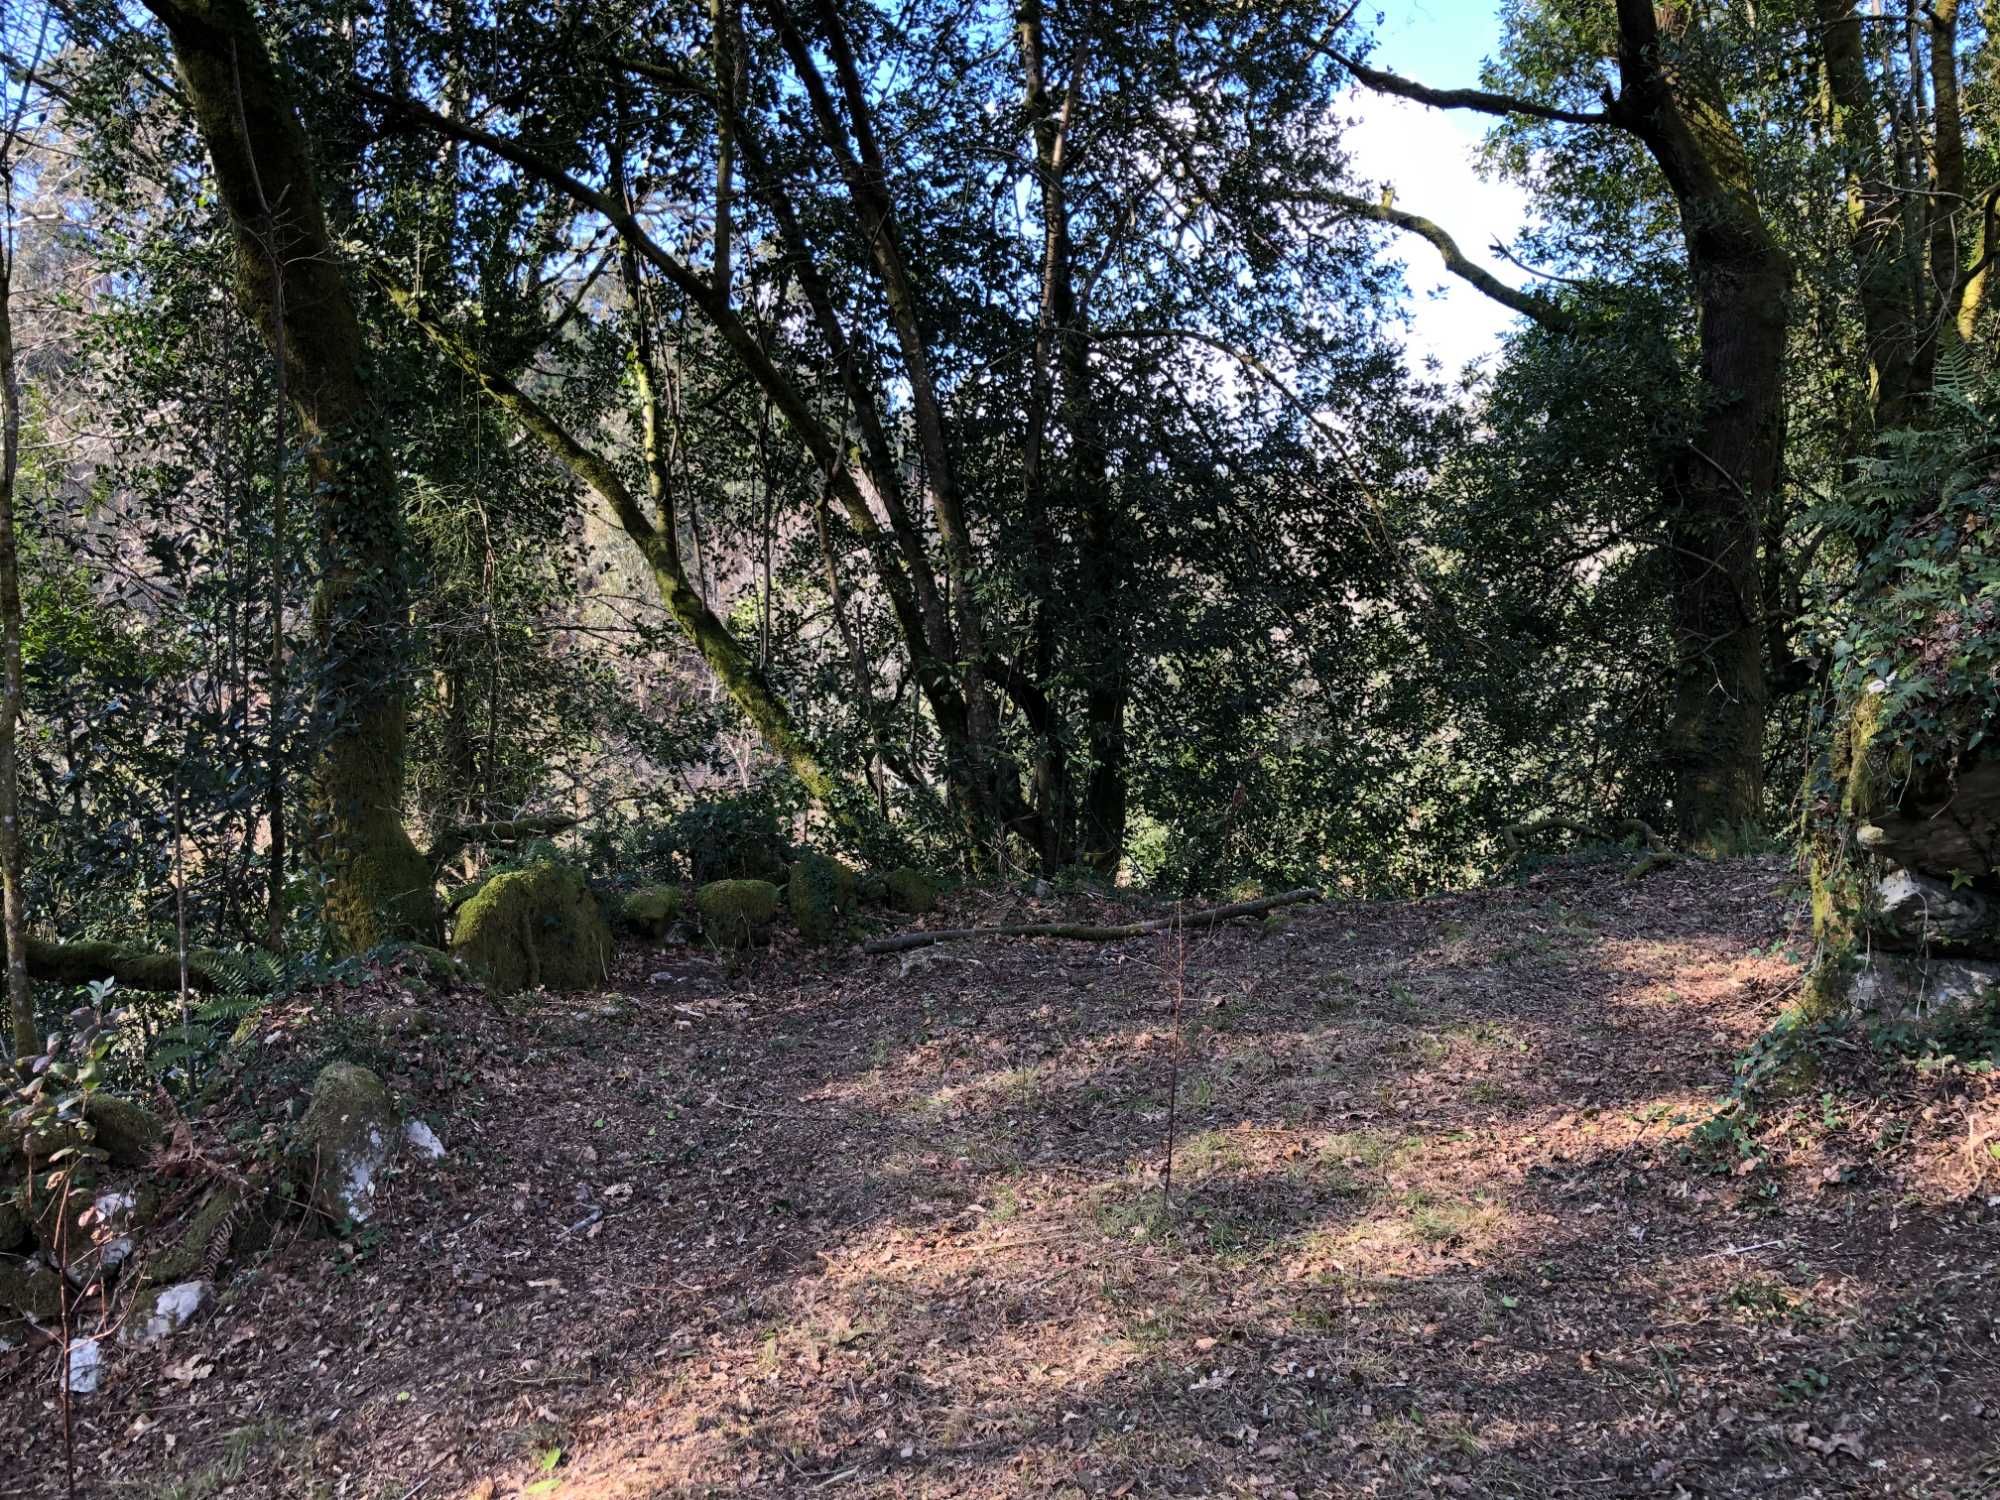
(1439,1225)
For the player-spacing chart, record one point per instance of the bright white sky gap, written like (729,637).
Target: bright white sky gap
(1428,156)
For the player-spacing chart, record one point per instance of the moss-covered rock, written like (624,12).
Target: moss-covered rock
(24,1139)
(30,1287)
(538,926)
(58,1208)
(203,1237)
(910,890)
(736,913)
(433,965)
(126,1131)
(822,896)
(56,1214)
(408,1020)
(160,1312)
(344,1139)
(13,1225)
(650,911)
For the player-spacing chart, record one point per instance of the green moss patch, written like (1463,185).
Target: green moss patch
(30,1288)
(737,913)
(204,1237)
(822,896)
(910,890)
(126,1131)
(540,926)
(650,911)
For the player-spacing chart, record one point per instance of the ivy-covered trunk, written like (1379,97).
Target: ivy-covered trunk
(291,281)
(1095,832)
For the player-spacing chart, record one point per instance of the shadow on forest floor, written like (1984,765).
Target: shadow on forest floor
(1436,1228)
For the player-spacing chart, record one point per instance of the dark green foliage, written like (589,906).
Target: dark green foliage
(1923,519)
(735,837)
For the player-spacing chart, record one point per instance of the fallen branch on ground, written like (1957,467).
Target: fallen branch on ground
(902,942)
(1655,859)
(1659,853)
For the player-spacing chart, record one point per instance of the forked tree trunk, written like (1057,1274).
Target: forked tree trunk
(379,885)
(1097,835)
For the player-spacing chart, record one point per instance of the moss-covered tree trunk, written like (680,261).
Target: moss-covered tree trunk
(378,884)
(1721,484)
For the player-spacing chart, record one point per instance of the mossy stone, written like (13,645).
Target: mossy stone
(651,911)
(207,1232)
(911,890)
(407,1020)
(55,1213)
(30,1287)
(736,913)
(127,1131)
(345,1137)
(13,1225)
(821,896)
(123,1129)
(538,926)
(23,1141)
(434,964)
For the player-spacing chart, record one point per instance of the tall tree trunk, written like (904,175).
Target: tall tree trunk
(378,883)
(1719,488)
(1722,483)
(1874,214)
(20,994)
(1099,837)
(275,690)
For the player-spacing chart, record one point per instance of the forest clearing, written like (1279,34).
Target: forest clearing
(1107,748)
(1441,1224)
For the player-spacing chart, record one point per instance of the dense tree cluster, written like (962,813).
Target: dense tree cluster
(972,434)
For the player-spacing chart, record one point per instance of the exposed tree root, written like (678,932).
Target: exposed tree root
(1653,859)
(1515,835)
(904,941)
(1659,853)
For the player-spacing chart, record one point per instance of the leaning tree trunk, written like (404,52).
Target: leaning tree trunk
(378,883)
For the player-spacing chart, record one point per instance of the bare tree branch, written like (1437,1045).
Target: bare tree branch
(1550,315)
(1476,99)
